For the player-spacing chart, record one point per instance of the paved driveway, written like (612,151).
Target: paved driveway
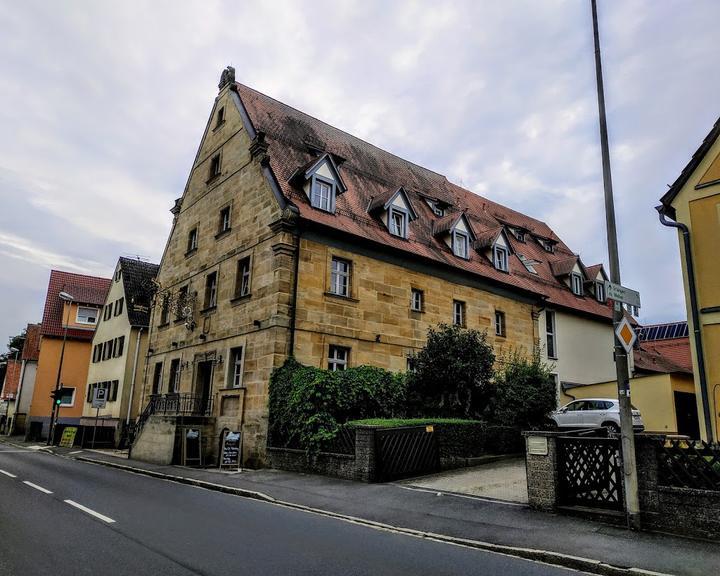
(501,480)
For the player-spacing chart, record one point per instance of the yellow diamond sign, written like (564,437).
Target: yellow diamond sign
(626,334)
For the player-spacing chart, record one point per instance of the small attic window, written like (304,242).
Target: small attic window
(460,244)
(220,117)
(214,167)
(600,291)
(500,258)
(519,234)
(576,283)
(323,195)
(529,264)
(397,220)
(547,245)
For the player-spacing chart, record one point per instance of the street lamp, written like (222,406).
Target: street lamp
(65,297)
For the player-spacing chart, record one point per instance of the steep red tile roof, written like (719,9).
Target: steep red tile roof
(593,271)
(12,379)
(369,172)
(31,348)
(675,355)
(85,290)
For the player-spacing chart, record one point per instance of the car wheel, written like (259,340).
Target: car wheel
(611,427)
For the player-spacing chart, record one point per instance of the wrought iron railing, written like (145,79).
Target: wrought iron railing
(689,464)
(174,405)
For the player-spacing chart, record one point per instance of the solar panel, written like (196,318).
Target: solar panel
(663,331)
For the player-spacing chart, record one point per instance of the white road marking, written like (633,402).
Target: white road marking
(76,452)
(45,490)
(8,474)
(91,512)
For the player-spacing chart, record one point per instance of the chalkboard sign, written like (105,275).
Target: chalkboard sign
(231,449)
(191,447)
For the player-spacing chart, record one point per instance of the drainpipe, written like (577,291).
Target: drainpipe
(695,316)
(134,372)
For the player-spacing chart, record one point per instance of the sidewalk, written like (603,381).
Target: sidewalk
(458,517)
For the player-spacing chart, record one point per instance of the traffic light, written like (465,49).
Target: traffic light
(57,395)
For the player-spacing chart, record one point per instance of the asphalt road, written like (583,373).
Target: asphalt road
(60,516)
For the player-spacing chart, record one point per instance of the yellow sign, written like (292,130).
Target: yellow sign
(626,334)
(429,428)
(68,437)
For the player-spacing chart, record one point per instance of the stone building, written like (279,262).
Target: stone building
(293,237)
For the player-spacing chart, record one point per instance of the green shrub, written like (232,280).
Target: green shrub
(307,405)
(524,392)
(452,373)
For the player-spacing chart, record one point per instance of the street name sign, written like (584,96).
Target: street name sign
(626,334)
(622,294)
(99,397)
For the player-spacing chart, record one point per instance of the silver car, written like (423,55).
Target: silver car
(594,413)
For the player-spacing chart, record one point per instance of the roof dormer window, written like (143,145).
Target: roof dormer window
(600,291)
(500,258)
(323,195)
(398,222)
(576,283)
(460,244)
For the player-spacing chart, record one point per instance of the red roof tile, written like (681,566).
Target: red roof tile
(675,355)
(84,289)
(31,348)
(369,172)
(12,379)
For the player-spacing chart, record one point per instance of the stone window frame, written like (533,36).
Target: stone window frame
(222,229)
(157,378)
(459,313)
(220,117)
(237,291)
(193,240)
(414,302)
(500,324)
(176,373)
(210,296)
(164,310)
(231,373)
(348,274)
(185,291)
(335,359)
(215,167)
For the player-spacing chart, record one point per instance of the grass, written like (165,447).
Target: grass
(399,422)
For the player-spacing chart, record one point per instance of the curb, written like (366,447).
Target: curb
(544,556)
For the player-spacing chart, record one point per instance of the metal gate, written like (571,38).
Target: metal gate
(403,452)
(590,470)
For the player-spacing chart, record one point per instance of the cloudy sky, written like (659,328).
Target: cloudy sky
(102,105)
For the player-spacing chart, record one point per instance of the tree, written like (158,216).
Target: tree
(452,373)
(16,342)
(524,392)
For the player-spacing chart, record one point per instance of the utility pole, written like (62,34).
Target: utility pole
(632,502)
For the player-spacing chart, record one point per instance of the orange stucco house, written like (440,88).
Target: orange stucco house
(72,310)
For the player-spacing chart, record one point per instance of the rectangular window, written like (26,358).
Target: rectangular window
(600,291)
(236,367)
(338,358)
(157,378)
(120,347)
(214,167)
(192,240)
(119,304)
(224,224)
(97,353)
(220,118)
(499,323)
(501,258)
(577,284)
(398,223)
(550,334)
(460,244)
(87,315)
(416,300)
(211,290)
(411,365)
(181,302)
(242,282)
(113,392)
(107,313)
(67,398)
(107,350)
(340,277)
(321,197)
(174,382)
(458,313)
(164,309)
(90,392)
